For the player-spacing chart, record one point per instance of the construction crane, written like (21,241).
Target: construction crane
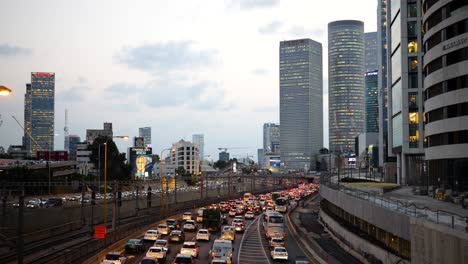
(226,149)
(27,133)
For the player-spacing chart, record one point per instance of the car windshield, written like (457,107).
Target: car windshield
(161,242)
(276,219)
(277,240)
(133,241)
(280,250)
(162,226)
(112,257)
(155,250)
(175,233)
(148,261)
(170,222)
(151,232)
(189,246)
(203,232)
(183,260)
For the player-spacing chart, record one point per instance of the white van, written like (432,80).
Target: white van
(222,250)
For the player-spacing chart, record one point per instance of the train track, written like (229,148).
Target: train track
(252,244)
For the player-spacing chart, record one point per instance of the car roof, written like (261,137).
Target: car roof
(189,243)
(184,255)
(202,230)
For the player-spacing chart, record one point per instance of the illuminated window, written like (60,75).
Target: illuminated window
(413,118)
(413,64)
(412,47)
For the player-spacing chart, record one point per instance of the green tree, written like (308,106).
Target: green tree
(155,158)
(220,164)
(116,167)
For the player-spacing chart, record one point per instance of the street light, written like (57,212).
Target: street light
(4,91)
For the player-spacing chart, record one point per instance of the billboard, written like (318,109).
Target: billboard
(274,164)
(141,161)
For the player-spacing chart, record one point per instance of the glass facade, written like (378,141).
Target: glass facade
(199,141)
(27,119)
(42,111)
(145,133)
(301,105)
(396,98)
(371,51)
(271,138)
(346,88)
(397,132)
(372,103)
(396,65)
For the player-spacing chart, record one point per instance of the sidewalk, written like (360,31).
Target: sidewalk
(317,242)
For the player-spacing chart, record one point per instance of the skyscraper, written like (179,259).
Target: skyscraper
(301,103)
(271,138)
(199,140)
(72,142)
(42,112)
(145,133)
(27,119)
(446,82)
(405,101)
(372,105)
(370,39)
(346,90)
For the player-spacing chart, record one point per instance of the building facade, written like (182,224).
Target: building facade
(39,113)
(145,133)
(72,141)
(372,102)
(92,134)
(445,24)
(271,138)
(346,89)
(405,104)
(223,155)
(199,140)
(371,63)
(186,155)
(301,103)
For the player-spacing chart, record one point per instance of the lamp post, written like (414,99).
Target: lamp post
(4,91)
(162,178)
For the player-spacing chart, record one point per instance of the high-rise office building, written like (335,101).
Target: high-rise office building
(27,120)
(40,115)
(145,133)
(405,101)
(301,104)
(199,140)
(92,134)
(446,93)
(73,140)
(372,103)
(271,138)
(370,40)
(346,89)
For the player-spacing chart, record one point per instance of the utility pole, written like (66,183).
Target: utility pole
(114,210)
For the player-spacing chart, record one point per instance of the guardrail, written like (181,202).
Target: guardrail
(452,220)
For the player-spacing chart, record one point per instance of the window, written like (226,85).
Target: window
(413,80)
(433,41)
(457,56)
(413,136)
(412,100)
(435,115)
(396,33)
(395,7)
(433,20)
(413,118)
(412,46)
(396,65)
(396,98)
(413,64)
(412,29)
(433,66)
(397,131)
(412,10)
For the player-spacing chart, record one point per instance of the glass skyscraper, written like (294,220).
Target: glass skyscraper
(271,138)
(370,39)
(145,133)
(199,140)
(27,119)
(40,112)
(301,106)
(346,91)
(372,103)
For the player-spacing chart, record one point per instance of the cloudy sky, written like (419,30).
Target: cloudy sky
(181,67)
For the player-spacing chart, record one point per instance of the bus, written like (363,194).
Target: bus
(247,196)
(199,218)
(281,205)
(274,225)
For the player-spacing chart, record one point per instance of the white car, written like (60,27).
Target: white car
(156,252)
(163,229)
(152,235)
(249,215)
(203,234)
(190,248)
(162,243)
(187,216)
(279,253)
(190,225)
(115,257)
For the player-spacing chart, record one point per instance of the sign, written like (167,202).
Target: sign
(139,142)
(141,161)
(100,232)
(234,167)
(42,74)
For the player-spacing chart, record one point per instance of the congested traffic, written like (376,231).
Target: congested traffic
(213,234)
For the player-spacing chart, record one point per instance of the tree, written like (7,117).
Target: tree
(155,158)
(220,164)
(116,167)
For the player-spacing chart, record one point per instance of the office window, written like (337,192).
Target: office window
(413,80)
(413,64)
(413,136)
(412,29)
(396,98)
(412,46)
(412,9)
(412,100)
(413,118)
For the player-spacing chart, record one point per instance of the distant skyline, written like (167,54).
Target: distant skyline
(160,64)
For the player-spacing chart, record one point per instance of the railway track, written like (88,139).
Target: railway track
(252,244)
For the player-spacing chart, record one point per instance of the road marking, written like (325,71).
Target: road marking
(251,244)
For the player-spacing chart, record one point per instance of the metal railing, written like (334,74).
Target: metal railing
(452,220)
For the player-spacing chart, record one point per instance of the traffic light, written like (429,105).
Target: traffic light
(119,198)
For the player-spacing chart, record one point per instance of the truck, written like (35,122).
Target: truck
(222,251)
(212,219)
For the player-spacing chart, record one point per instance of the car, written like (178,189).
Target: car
(232,212)
(276,242)
(279,253)
(218,261)
(240,210)
(190,225)
(135,245)
(183,259)
(151,235)
(257,210)
(187,216)
(239,226)
(163,229)
(176,236)
(157,252)
(34,203)
(162,243)
(249,215)
(149,260)
(115,257)
(190,248)
(203,234)
(228,233)
(172,224)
